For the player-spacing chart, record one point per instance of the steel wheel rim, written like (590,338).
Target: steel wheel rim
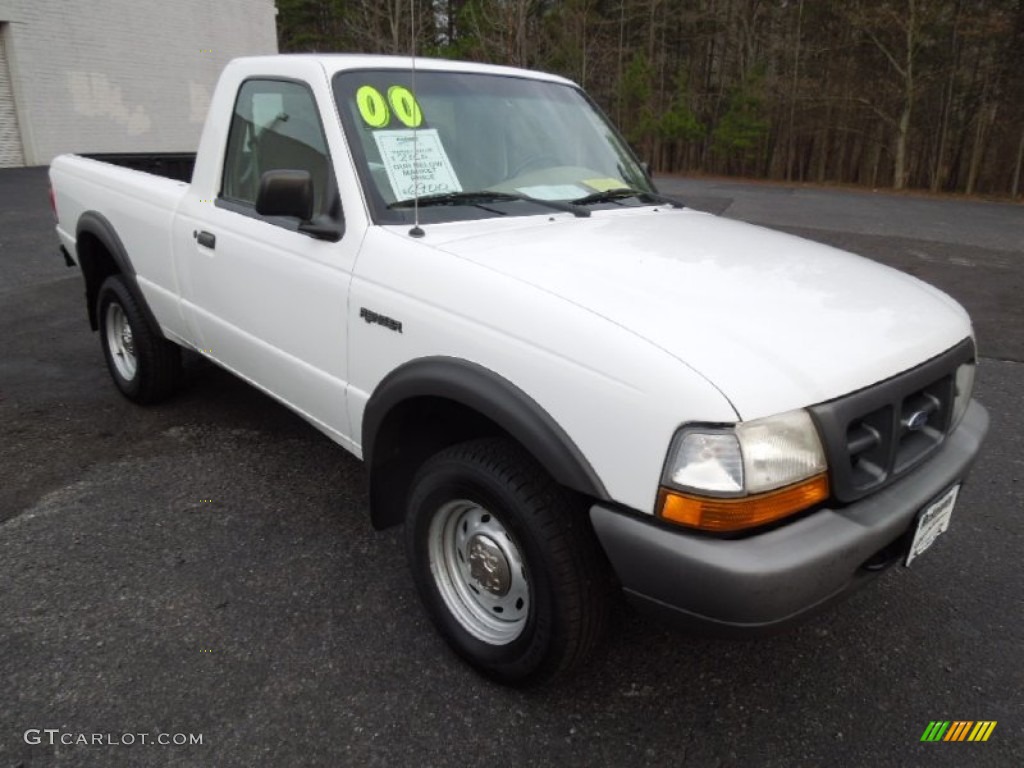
(479,572)
(121,341)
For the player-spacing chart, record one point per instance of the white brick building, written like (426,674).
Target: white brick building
(117,75)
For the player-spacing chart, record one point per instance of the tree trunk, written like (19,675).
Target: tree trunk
(622,46)
(790,150)
(1017,169)
(941,169)
(899,168)
(980,129)
(903,130)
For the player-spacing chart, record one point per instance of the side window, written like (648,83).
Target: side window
(275,126)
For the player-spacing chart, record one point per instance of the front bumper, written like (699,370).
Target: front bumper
(769,580)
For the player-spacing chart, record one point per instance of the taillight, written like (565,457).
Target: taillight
(53,203)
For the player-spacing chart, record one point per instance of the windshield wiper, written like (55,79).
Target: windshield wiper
(485,196)
(612,195)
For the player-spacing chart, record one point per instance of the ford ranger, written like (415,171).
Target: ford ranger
(560,381)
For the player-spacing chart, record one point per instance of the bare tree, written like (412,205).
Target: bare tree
(908,93)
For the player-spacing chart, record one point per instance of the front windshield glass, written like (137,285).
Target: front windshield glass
(475,133)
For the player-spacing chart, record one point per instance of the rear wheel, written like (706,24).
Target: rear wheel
(505,562)
(144,365)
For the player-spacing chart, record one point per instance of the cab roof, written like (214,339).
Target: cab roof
(333,63)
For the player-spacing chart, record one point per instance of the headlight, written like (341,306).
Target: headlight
(706,461)
(726,479)
(964,387)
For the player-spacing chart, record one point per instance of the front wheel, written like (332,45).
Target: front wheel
(505,562)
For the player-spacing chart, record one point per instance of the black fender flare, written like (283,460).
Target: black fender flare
(97,225)
(496,398)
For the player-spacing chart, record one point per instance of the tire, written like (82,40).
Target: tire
(506,563)
(144,365)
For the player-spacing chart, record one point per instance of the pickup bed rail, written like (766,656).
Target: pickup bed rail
(172,165)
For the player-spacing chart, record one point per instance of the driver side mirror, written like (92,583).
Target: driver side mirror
(286,193)
(290,193)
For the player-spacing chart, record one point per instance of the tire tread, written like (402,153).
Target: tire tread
(159,370)
(558,518)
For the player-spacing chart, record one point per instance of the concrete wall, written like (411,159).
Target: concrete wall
(123,75)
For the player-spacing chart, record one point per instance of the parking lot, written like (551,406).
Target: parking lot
(208,567)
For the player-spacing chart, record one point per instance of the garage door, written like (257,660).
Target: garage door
(10,139)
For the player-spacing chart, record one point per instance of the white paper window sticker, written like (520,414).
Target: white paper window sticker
(431,171)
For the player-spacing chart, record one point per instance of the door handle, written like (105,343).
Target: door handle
(206,239)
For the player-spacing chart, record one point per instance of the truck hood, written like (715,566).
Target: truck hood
(773,321)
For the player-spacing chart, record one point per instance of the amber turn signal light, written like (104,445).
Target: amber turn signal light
(726,515)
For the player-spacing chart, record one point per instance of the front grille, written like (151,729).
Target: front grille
(877,434)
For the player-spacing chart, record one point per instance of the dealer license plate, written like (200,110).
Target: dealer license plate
(932,523)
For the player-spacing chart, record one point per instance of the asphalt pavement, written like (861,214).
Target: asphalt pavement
(207,567)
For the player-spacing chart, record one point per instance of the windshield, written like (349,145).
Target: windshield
(478,133)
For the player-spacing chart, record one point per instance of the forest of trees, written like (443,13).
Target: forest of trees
(922,94)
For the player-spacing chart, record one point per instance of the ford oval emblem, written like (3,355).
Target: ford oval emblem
(916,421)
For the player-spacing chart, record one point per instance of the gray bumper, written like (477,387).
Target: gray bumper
(768,580)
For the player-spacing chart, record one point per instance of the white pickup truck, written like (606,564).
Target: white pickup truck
(560,381)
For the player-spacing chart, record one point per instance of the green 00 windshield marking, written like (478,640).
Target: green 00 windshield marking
(527,142)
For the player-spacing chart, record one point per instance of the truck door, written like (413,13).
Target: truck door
(268,301)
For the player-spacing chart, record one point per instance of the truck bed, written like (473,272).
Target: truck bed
(171,165)
(136,196)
